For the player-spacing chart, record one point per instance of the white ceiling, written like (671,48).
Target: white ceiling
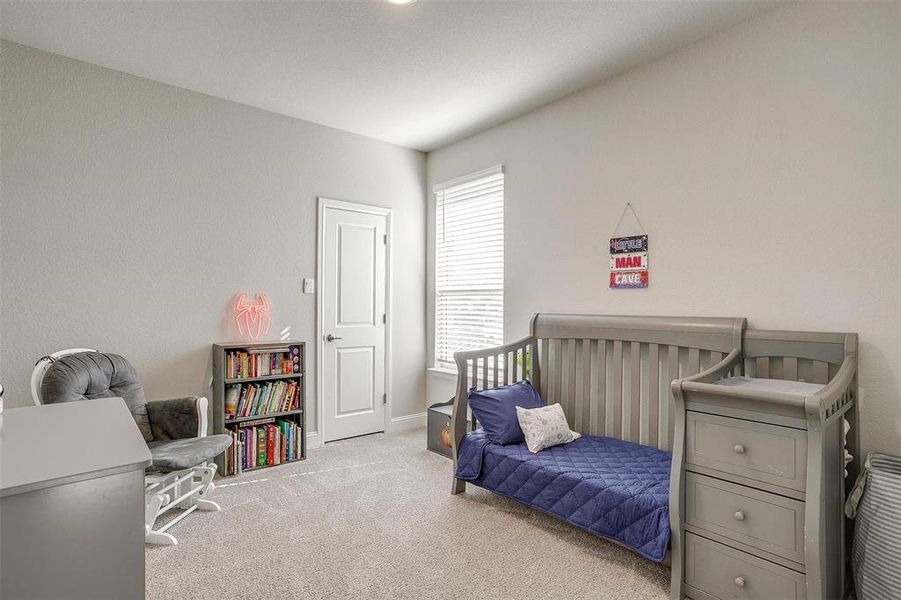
(420,75)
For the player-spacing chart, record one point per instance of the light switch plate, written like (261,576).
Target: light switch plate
(309,285)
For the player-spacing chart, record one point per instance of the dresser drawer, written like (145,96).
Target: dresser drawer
(730,574)
(769,453)
(760,519)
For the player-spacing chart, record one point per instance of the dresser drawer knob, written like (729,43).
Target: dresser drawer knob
(739,582)
(739,449)
(739,515)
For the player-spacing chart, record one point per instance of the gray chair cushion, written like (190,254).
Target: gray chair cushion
(173,419)
(90,375)
(174,455)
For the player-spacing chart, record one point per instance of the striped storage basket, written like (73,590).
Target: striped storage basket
(876,556)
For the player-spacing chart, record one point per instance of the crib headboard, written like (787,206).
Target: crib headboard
(611,374)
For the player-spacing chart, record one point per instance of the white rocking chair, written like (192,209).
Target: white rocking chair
(175,431)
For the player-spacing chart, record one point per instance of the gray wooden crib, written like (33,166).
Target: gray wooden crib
(757,476)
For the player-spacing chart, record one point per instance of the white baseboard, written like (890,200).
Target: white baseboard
(408,422)
(313,440)
(396,425)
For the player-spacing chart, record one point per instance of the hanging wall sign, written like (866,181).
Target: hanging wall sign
(629,258)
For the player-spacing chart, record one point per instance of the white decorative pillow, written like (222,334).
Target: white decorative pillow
(544,427)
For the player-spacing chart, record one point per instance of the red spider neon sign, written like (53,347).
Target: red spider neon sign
(252,319)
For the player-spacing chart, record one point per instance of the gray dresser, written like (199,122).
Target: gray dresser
(72,502)
(758,472)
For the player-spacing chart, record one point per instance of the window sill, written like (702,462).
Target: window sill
(442,373)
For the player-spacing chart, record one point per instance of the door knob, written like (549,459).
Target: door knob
(331,338)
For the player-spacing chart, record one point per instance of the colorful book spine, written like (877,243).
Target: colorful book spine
(263,445)
(241,364)
(253,399)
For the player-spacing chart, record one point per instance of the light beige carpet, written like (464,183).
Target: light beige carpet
(372,517)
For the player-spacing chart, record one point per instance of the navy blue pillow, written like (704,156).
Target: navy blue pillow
(495,410)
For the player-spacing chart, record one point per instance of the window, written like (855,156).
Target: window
(469,265)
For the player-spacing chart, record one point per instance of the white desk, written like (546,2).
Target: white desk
(72,502)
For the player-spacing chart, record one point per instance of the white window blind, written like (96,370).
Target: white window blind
(469,265)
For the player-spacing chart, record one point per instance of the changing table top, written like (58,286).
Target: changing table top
(55,444)
(784,386)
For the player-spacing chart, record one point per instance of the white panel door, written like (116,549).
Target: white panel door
(354,252)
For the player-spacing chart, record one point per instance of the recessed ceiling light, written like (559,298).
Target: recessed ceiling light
(401,1)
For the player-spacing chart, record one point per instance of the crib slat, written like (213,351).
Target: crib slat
(820,372)
(525,369)
(790,368)
(522,367)
(553,372)
(653,393)
(495,359)
(593,397)
(737,369)
(558,370)
(569,396)
(572,366)
(546,375)
(694,361)
(520,359)
(762,367)
(534,369)
(615,424)
(598,387)
(484,377)
(523,364)
(572,369)
(750,367)
(644,395)
(583,416)
(635,393)
(527,365)
(777,366)
(563,396)
(672,372)
(463,374)
(805,370)
(474,374)
(578,401)
(574,357)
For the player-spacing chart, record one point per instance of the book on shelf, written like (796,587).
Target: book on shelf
(259,399)
(262,445)
(243,364)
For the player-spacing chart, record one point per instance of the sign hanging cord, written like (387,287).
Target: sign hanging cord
(628,207)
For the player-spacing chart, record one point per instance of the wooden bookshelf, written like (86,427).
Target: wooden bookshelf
(261,378)
(265,381)
(284,413)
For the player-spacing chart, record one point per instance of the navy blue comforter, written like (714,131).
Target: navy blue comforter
(612,488)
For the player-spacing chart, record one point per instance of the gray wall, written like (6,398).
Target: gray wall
(133,212)
(764,164)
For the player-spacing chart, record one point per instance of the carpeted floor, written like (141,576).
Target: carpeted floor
(372,518)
